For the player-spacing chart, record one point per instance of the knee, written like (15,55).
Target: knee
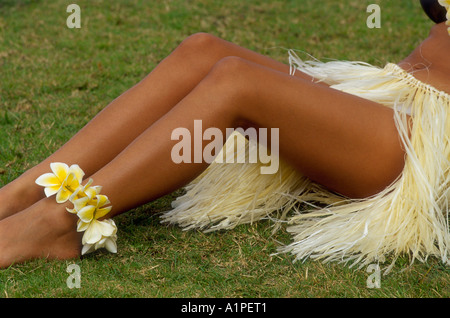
(232,70)
(229,82)
(232,76)
(204,46)
(199,43)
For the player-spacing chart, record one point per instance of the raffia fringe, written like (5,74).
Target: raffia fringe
(409,217)
(229,194)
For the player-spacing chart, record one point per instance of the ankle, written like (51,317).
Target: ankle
(17,196)
(63,225)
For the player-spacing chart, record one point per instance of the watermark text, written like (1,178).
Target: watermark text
(190,146)
(374,279)
(74,279)
(374,20)
(74,19)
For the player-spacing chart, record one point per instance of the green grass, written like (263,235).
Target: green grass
(54,79)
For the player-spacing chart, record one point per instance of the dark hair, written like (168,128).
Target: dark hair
(434,10)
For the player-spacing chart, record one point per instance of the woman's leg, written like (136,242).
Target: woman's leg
(341,141)
(131,113)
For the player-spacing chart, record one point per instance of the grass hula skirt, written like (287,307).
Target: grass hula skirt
(408,217)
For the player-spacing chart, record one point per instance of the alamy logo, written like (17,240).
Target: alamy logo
(374,279)
(74,279)
(374,20)
(190,148)
(74,19)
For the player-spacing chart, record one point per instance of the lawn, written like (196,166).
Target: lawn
(54,79)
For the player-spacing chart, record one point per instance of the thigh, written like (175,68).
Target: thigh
(342,141)
(201,51)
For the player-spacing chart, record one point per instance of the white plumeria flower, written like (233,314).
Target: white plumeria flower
(63,181)
(100,234)
(82,196)
(91,209)
(89,205)
(85,191)
(446,4)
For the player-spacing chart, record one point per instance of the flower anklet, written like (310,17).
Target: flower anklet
(89,205)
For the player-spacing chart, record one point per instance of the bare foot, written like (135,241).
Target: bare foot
(44,230)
